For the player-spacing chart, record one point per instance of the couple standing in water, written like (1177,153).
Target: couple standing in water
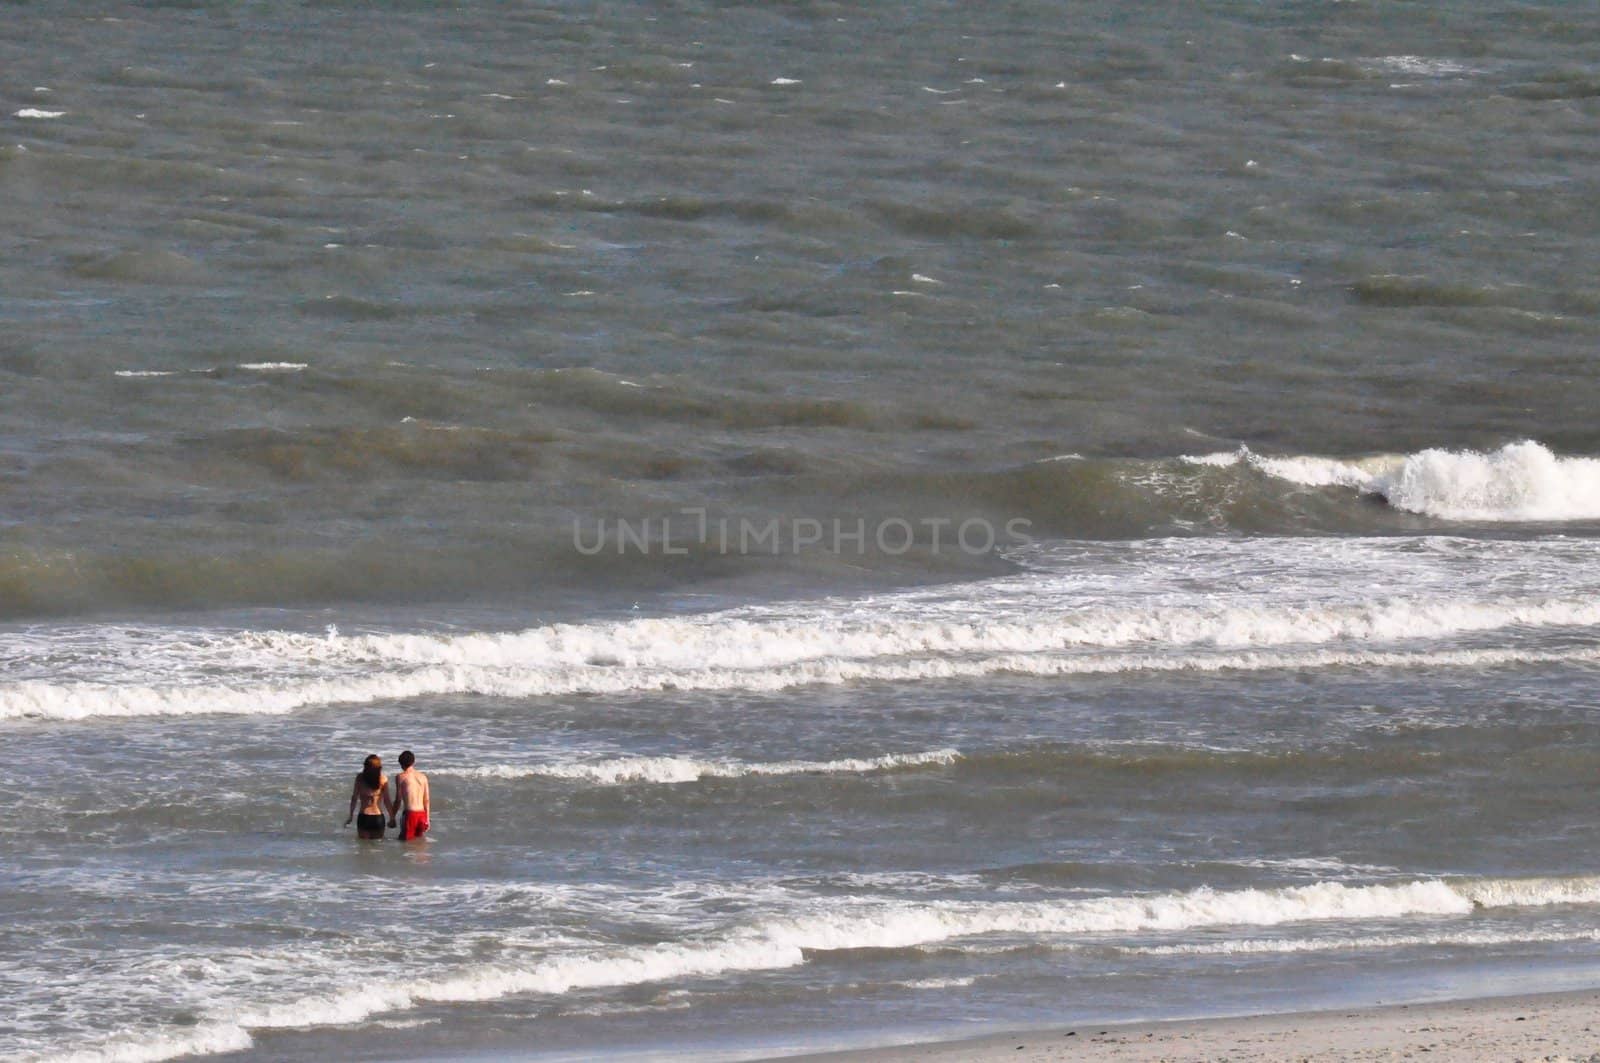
(405,801)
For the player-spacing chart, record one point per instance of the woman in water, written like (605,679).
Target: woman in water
(368,795)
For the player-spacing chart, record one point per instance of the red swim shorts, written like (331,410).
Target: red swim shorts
(413,826)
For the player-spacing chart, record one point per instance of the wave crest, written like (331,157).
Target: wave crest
(777,942)
(621,770)
(1520,482)
(1072,609)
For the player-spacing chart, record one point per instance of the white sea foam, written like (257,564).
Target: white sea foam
(778,942)
(1421,66)
(622,770)
(739,643)
(66,701)
(1076,610)
(73,701)
(1523,481)
(1445,939)
(1219,459)
(937,983)
(1318,865)
(1520,482)
(250,367)
(35,112)
(152,1046)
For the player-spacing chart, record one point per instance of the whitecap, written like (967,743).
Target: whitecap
(1519,482)
(1271,604)
(780,941)
(76,701)
(1420,66)
(621,770)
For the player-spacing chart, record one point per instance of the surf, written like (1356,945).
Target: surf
(776,942)
(1072,609)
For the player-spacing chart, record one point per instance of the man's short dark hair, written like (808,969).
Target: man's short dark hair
(407,759)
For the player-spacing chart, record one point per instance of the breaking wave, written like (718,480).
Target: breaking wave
(774,943)
(623,770)
(1471,938)
(82,700)
(1082,609)
(1080,498)
(1520,482)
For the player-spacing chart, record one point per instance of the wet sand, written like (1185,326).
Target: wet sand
(1545,1027)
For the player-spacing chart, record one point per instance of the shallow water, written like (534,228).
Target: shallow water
(878,522)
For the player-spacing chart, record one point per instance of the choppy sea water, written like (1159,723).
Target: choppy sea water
(879,522)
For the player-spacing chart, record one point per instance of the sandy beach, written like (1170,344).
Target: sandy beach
(1545,1027)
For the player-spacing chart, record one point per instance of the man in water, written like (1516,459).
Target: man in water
(410,801)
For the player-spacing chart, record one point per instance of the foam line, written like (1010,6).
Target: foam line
(1075,610)
(777,943)
(623,770)
(1520,482)
(73,701)
(1259,946)
(730,641)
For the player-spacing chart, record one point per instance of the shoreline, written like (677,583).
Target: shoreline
(1563,1025)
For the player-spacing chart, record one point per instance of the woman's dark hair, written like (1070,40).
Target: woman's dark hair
(372,771)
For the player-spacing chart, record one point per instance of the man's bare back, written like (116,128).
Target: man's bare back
(411,803)
(411,791)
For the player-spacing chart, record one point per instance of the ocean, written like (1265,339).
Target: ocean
(880,521)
